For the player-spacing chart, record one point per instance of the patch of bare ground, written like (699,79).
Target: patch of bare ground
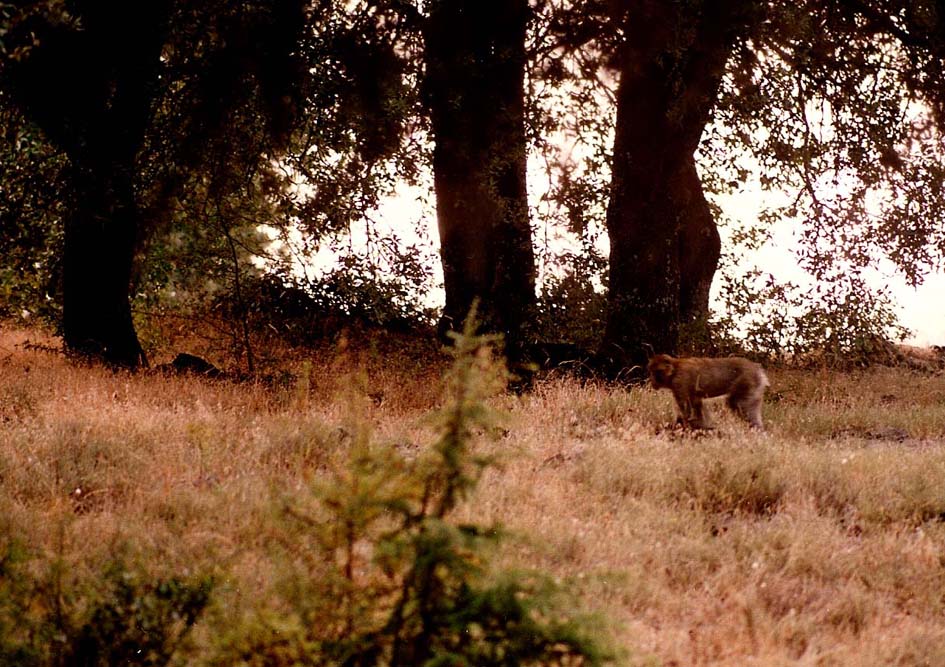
(819,542)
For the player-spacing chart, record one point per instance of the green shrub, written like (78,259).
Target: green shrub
(137,621)
(118,616)
(377,572)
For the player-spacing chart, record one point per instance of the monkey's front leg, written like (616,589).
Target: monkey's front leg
(690,412)
(683,409)
(698,419)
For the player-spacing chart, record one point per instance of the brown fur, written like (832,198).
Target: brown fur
(692,379)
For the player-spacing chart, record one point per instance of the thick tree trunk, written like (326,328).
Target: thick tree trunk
(475,58)
(643,292)
(664,245)
(90,88)
(100,240)
(699,250)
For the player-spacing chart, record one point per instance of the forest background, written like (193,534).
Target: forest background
(152,157)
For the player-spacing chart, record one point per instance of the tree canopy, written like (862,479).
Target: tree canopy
(834,103)
(146,147)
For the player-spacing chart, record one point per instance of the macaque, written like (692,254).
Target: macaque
(692,379)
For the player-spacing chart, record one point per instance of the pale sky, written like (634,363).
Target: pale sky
(918,309)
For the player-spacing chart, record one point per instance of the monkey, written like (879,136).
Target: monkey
(692,379)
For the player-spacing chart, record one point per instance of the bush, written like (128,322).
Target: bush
(377,572)
(119,616)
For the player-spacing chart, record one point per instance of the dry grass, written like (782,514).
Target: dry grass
(821,542)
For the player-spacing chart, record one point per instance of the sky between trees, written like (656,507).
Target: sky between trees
(409,211)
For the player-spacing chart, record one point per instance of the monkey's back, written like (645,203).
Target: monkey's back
(716,377)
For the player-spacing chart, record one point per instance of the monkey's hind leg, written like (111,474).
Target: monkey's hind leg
(746,403)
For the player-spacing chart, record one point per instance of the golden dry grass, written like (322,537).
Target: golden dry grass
(821,542)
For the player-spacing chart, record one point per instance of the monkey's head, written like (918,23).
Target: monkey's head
(661,369)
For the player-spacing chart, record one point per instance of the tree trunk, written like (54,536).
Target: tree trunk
(90,88)
(699,250)
(664,245)
(475,59)
(100,240)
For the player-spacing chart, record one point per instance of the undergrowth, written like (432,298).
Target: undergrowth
(373,569)
(356,515)
(369,565)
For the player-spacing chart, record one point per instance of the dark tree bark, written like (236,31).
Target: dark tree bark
(100,240)
(664,245)
(94,82)
(90,90)
(699,250)
(475,60)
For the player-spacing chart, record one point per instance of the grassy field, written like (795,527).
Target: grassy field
(820,542)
